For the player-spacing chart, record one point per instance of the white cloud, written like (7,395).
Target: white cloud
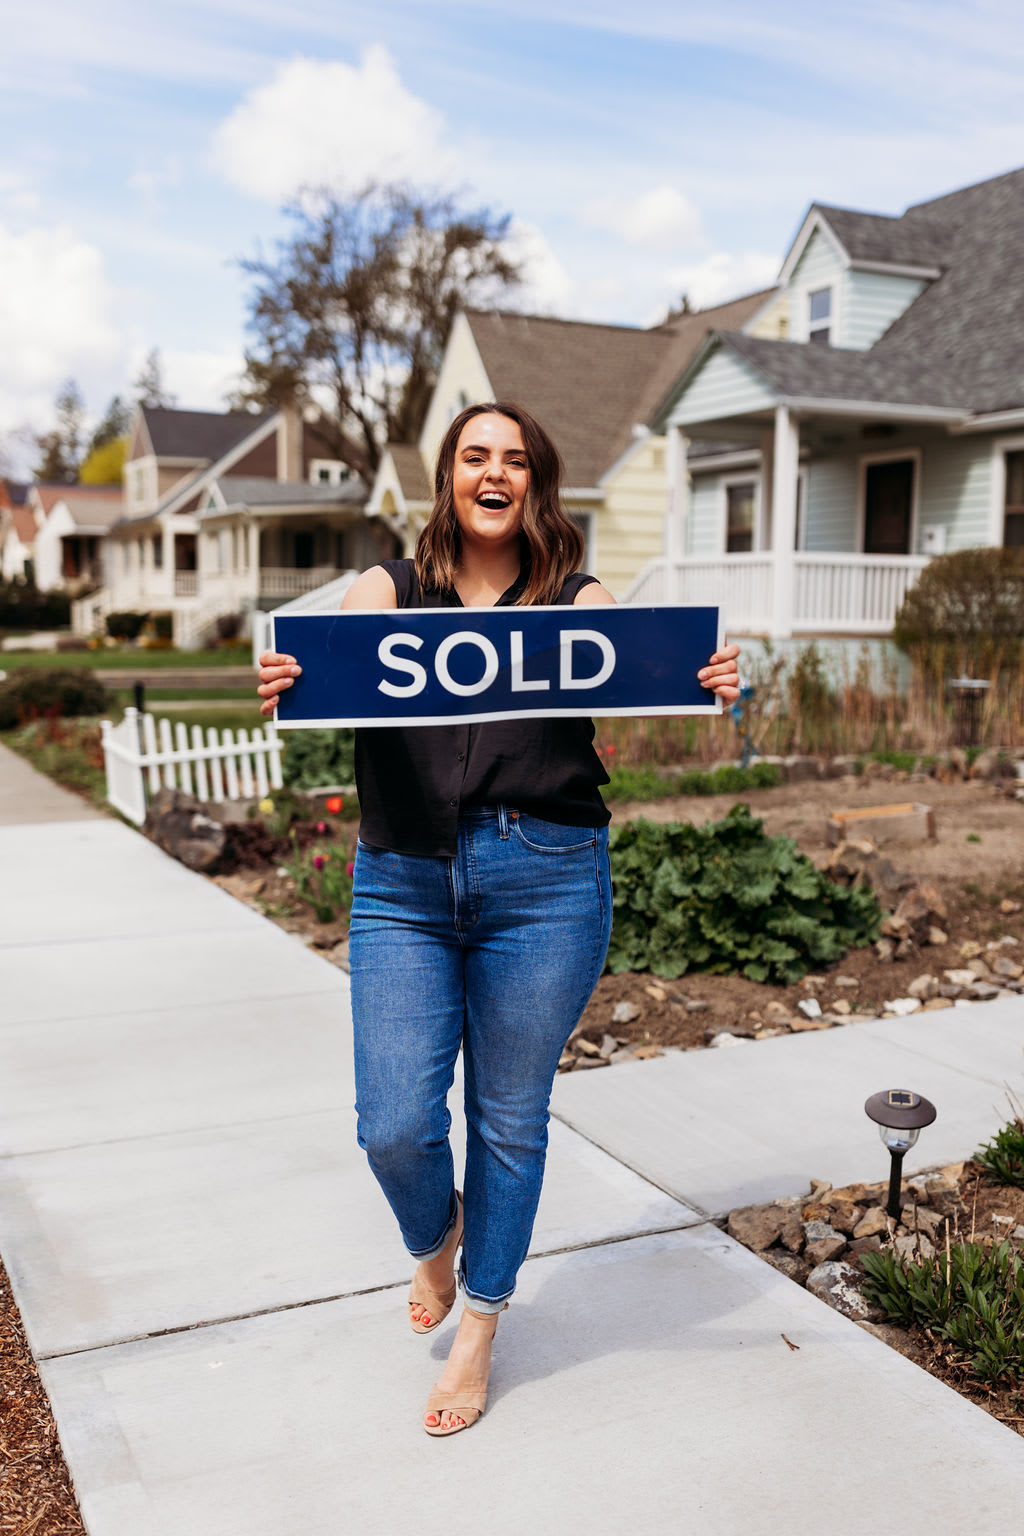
(661,219)
(57,313)
(198,378)
(546,288)
(723,276)
(331,124)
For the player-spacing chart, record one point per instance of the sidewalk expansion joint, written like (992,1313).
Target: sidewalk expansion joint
(369,1290)
(638,1173)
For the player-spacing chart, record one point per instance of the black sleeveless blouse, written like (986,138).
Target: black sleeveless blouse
(413,781)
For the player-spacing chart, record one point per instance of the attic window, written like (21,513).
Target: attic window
(819,317)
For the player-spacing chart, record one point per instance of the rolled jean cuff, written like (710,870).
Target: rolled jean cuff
(484,1304)
(425,1255)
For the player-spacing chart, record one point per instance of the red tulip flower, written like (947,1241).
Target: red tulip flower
(350,868)
(334,804)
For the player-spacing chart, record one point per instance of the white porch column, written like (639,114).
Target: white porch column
(678,495)
(786,452)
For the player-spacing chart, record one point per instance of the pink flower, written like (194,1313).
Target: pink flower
(318,861)
(350,868)
(610,750)
(321,827)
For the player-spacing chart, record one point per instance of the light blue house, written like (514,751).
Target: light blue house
(867,418)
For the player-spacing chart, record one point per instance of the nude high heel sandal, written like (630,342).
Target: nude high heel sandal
(436,1304)
(468,1403)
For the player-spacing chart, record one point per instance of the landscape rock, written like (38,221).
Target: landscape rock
(810,1007)
(914,1245)
(177,824)
(859,1245)
(873,1223)
(726,1038)
(895,927)
(800,1025)
(609,1045)
(937,936)
(799,769)
(791,1233)
(846,981)
(840,1005)
(1006,906)
(979,969)
(825,1248)
(788,1264)
(1002,965)
(658,993)
(837,1284)
(959,978)
(696,1005)
(590,1061)
(586,1047)
(756,1226)
(936,1004)
(920,908)
(902,1006)
(986,765)
(969,949)
(844,1217)
(885,949)
(625,1013)
(923,987)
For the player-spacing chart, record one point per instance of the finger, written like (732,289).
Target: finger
(271,674)
(276,659)
(271,690)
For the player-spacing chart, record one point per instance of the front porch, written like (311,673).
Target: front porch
(832,594)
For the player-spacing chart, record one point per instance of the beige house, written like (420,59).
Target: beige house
(594,388)
(73,524)
(228,515)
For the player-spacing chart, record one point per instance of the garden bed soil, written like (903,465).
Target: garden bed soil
(972,878)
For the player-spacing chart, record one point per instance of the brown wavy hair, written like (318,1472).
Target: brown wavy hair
(553,545)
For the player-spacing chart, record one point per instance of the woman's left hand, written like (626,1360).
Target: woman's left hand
(721,675)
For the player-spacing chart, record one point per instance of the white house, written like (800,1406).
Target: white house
(870,417)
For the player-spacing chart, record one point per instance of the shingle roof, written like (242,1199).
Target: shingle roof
(49,495)
(17,491)
(199,435)
(24,523)
(959,341)
(98,511)
(840,373)
(879,237)
(253,491)
(411,471)
(591,384)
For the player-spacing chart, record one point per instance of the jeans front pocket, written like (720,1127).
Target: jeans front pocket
(550,836)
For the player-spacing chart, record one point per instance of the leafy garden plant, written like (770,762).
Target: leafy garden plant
(974,1298)
(315,759)
(725,898)
(323,878)
(1003,1156)
(647,783)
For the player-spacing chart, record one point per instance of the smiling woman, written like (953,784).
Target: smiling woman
(481,898)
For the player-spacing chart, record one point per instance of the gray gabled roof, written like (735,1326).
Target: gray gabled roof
(199,435)
(254,491)
(877,237)
(840,373)
(411,471)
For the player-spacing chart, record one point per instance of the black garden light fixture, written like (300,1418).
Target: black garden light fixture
(900,1116)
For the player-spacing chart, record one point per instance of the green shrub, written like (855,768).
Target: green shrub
(29,693)
(647,783)
(967,606)
(23,606)
(125,626)
(314,759)
(725,898)
(1003,1156)
(976,1301)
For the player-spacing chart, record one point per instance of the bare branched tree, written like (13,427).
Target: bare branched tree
(356,307)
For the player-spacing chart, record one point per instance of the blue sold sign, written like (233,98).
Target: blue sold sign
(433,666)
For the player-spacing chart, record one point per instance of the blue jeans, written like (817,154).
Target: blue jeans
(496,950)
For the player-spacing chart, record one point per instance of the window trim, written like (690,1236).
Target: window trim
(1001,446)
(893,456)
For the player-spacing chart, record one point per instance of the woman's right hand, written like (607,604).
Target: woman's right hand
(276,674)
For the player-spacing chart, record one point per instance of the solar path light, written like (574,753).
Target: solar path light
(900,1116)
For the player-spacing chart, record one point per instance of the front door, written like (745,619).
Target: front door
(888,503)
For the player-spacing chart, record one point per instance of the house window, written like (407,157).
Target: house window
(1013,520)
(888,507)
(158,551)
(328,472)
(740,503)
(819,317)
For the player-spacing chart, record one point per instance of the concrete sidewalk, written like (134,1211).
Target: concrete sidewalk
(215,1291)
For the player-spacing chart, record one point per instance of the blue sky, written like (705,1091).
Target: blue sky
(643,149)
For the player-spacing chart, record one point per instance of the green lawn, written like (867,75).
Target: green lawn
(130,659)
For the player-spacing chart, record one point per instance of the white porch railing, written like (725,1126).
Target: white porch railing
(283,581)
(186,583)
(324,599)
(741,584)
(142,753)
(833,593)
(858,594)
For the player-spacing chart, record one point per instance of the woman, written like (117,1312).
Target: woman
(481,899)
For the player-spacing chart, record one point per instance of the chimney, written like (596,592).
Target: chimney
(289,444)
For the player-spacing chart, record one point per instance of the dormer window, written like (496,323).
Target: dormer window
(328,472)
(819,317)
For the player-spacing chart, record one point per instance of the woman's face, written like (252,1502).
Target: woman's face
(490,480)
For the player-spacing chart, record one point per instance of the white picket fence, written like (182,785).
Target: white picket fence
(142,753)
